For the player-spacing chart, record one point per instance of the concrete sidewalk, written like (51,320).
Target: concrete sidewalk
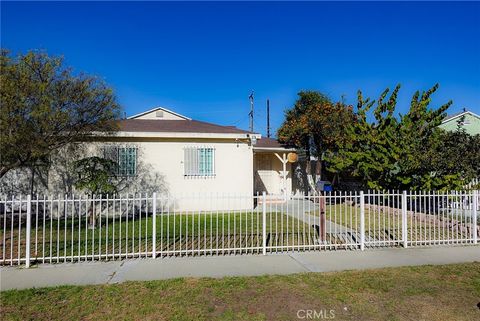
(220,266)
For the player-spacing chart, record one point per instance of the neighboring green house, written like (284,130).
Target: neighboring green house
(467,119)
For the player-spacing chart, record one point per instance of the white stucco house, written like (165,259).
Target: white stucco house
(199,158)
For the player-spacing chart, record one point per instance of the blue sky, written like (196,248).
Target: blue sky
(203,59)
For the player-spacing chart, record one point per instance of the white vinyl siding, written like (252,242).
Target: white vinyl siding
(199,161)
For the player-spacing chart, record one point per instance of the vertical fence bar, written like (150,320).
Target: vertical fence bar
(404,218)
(474,216)
(65,209)
(362,221)
(154,226)
(36,228)
(4,252)
(264,222)
(29,224)
(19,236)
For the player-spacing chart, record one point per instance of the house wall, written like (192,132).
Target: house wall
(231,188)
(233,172)
(473,128)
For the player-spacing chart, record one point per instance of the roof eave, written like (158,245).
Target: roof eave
(446,120)
(178,135)
(273,149)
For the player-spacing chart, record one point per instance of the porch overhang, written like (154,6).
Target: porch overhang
(272,150)
(280,154)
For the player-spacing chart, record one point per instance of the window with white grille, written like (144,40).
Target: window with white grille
(199,161)
(124,157)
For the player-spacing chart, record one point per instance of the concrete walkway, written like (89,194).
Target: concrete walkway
(245,265)
(302,209)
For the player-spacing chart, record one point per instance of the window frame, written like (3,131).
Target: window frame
(199,162)
(125,161)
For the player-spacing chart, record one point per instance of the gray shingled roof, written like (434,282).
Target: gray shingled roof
(176,126)
(266,142)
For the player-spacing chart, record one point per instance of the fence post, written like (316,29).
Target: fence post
(29,226)
(264,222)
(362,221)
(404,219)
(154,226)
(475,209)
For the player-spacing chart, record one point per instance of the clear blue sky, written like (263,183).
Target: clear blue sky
(203,59)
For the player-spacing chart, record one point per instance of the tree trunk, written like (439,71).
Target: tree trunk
(308,171)
(32,179)
(5,169)
(318,169)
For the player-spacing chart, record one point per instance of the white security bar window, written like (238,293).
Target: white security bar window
(199,161)
(125,157)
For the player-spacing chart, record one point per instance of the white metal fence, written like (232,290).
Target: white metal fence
(72,229)
(473,184)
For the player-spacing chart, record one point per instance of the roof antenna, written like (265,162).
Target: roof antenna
(268,118)
(250,114)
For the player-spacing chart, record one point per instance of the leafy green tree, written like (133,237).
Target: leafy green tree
(455,155)
(418,134)
(380,147)
(296,129)
(46,106)
(389,151)
(96,176)
(316,125)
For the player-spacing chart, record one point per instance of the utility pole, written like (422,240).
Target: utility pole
(251,112)
(268,118)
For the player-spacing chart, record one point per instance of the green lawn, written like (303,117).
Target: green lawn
(189,232)
(449,292)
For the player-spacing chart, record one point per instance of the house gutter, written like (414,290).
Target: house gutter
(242,136)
